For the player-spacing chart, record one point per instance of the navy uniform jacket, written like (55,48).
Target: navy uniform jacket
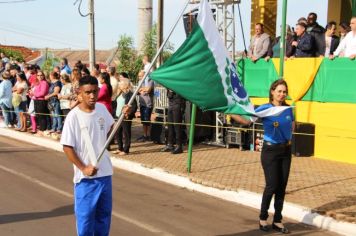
(305,46)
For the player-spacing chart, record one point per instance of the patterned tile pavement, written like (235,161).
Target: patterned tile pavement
(327,187)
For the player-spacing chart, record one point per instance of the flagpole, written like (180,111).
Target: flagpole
(133,98)
(283,39)
(191,137)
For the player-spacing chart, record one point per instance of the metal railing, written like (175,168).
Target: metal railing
(160,98)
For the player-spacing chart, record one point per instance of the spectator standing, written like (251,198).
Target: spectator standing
(6,98)
(21,88)
(176,108)
(96,72)
(115,87)
(105,91)
(14,69)
(124,132)
(75,76)
(27,71)
(146,105)
(79,65)
(317,32)
(348,45)
(146,64)
(304,42)
(32,79)
(31,106)
(274,48)
(123,76)
(40,91)
(57,69)
(85,129)
(85,72)
(53,102)
(4,58)
(344,29)
(65,94)
(259,43)
(331,41)
(65,67)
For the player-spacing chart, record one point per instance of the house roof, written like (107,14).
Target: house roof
(101,56)
(28,54)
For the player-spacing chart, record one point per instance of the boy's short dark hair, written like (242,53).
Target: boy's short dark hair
(88,79)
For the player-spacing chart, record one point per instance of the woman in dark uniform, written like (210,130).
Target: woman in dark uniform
(275,155)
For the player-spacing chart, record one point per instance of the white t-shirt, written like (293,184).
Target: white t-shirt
(66,90)
(99,123)
(24,92)
(347,45)
(146,67)
(115,85)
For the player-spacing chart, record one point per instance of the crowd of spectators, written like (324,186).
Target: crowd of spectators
(306,39)
(32,101)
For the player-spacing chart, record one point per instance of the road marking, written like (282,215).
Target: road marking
(144,226)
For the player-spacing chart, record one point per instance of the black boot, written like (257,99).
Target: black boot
(167,148)
(178,149)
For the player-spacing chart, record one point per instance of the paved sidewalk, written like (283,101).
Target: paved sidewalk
(327,187)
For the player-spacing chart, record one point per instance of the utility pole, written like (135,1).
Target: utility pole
(91,36)
(160,30)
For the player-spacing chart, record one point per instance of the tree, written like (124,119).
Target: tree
(150,45)
(49,64)
(13,54)
(129,61)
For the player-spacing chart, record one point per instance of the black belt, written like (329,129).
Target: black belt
(277,144)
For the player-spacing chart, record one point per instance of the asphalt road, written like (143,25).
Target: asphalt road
(36,199)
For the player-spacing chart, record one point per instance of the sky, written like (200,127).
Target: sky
(57,23)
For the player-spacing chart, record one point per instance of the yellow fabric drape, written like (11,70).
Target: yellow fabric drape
(299,74)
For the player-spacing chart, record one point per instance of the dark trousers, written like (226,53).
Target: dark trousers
(114,106)
(124,136)
(276,162)
(65,113)
(175,131)
(41,113)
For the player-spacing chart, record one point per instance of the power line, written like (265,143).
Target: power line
(18,1)
(36,31)
(79,11)
(39,37)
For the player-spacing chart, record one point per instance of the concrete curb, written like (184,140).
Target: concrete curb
(243,197)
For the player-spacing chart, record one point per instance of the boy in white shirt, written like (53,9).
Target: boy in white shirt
(84,134)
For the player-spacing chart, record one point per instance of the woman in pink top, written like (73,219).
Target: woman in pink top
(105,91)
(40,91)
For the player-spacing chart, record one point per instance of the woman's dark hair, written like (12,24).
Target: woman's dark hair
(88,79)
(79,65)
(345,26)
(55,75)
(22,76)
(273,87)
(85,71)
(66,78)
(124,74)
(106,78)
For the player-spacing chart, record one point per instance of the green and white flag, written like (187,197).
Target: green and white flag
(202,71)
